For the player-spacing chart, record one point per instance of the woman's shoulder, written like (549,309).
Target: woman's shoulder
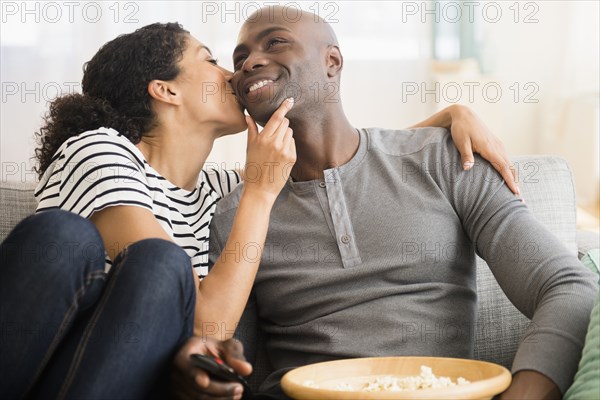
(101,143)
(98,137)
(102,151)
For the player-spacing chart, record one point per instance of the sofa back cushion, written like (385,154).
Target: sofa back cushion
(16,203)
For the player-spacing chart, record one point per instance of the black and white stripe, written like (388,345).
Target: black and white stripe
(101,168)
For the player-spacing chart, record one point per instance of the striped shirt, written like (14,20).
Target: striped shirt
(102,168)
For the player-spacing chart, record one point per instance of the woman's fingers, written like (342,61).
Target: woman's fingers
(279,134)
(503,165)
(290,144)
(466,155)
(499,160)
(513,183)
(471,135)
(509,174)
(269,154)
(252,128)
(288,136)
(278,117)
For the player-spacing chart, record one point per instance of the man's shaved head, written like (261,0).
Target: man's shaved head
(316,27)
(290,52)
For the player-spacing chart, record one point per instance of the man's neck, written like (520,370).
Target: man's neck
(322,144)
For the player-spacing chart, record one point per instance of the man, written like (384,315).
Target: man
(334,281)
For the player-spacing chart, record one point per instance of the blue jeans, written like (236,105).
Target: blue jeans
(69,330)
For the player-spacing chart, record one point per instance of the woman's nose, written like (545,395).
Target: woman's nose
(228,74)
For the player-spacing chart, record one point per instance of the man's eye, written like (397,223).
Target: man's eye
(274,42)
(237,63)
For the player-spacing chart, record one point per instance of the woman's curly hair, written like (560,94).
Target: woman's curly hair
(115,89)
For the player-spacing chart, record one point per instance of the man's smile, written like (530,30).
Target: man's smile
(256,88)
(258,85)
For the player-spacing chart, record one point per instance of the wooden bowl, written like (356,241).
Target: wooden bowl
(486,379)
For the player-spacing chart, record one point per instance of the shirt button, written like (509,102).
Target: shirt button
(345,239)
(322,184)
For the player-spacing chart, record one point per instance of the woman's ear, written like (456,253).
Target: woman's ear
(335,61)
(164,91)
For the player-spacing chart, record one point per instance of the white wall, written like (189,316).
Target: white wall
(386,47)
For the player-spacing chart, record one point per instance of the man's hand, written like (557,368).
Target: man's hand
(531,385)
(191,382)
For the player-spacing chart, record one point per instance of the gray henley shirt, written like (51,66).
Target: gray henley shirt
(388,241)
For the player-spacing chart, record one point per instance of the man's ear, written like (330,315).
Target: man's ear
(335,61)
(164,91)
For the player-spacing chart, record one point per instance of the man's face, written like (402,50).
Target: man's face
(273,61)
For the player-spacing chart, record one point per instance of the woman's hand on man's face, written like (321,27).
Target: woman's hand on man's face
(271,154)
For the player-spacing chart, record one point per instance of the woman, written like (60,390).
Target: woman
(102,273)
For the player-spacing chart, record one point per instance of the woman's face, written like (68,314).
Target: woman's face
(207,94)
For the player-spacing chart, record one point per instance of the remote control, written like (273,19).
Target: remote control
(217,369)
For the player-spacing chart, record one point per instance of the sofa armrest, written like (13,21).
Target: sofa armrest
(587,241)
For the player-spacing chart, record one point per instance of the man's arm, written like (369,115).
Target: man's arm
(470,134)
(539,275)
(546,283)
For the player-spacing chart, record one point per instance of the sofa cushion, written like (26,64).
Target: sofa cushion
(16,203)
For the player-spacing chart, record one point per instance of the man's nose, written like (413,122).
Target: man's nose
(254,61)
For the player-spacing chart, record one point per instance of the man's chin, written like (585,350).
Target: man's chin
(261,112)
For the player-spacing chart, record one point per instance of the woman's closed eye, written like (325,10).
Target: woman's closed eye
(213,61)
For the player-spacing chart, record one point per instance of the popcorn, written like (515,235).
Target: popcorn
(388,383)
(426,380)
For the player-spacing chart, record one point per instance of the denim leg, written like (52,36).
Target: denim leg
(52,268)
(125,347)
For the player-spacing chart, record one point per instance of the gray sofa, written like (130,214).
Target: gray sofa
(547,186)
